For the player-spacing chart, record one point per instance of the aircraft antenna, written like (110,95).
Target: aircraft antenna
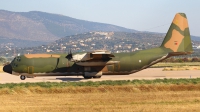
(157,26)
(14,52)
(61,49)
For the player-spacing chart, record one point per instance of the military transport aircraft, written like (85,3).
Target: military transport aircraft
(101,62)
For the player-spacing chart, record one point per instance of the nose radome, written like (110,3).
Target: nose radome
(8,69)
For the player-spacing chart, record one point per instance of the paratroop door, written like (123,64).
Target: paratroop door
(30,69)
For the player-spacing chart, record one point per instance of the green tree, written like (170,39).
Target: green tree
(2,60)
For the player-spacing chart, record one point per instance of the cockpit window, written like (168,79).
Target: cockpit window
(18,58)
(13,61)
(13,64)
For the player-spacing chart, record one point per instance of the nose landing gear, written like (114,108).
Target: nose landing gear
(22,77)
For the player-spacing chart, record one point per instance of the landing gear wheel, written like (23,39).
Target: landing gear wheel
(22,77)
(87,77)
(96,77)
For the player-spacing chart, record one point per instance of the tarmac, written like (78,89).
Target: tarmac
(149,74)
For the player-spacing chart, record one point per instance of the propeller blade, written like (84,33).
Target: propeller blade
(69,56)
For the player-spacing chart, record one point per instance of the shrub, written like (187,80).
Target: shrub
(195,60)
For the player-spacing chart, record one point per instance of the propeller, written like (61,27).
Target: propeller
(69,56)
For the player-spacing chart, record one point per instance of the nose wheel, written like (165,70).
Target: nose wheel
(22,77)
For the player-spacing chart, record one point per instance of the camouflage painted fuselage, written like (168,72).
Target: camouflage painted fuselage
(97,63)
(57,64)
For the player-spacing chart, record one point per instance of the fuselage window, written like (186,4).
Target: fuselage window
(18,58)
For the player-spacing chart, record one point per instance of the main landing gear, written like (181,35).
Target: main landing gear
(22,77)
(96,77)
(89,77)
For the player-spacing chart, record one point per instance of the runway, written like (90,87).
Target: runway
(150,73)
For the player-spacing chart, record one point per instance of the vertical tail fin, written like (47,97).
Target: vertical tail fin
(178,38)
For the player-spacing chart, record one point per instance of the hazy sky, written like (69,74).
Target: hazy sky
(142,15)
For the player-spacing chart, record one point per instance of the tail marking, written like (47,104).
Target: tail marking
(174,41)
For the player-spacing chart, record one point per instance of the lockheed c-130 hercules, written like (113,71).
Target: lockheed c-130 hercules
(97,63)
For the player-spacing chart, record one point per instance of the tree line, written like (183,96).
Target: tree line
(180,60)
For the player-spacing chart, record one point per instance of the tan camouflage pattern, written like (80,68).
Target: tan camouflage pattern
(41,55)
(174,41)
(180,21)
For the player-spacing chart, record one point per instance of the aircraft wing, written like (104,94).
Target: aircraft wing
(94,58)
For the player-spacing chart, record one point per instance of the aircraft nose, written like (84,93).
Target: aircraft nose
(8,69)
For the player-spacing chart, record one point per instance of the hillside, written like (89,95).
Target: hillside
(62,26)
(15,26)
(36,28)
(112,41)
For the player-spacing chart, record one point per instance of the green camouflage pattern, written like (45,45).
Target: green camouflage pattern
(176,42)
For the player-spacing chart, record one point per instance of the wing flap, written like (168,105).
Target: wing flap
(96,63)
(100,55)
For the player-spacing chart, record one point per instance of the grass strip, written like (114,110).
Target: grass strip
(101,83)
(175,64)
